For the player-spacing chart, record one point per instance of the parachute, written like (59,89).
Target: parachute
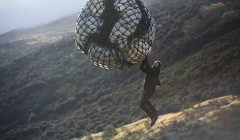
(115,34)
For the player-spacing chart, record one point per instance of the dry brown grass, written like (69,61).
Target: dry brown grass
(209,113)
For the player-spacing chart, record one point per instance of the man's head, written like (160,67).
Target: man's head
(157,64)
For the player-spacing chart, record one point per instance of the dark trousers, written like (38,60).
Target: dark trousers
(145,104)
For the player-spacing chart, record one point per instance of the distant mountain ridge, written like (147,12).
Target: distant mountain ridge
(55,92)
(18,43)
(56,28)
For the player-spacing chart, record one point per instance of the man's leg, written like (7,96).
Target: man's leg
(151,107)
(150,91)
(143,105)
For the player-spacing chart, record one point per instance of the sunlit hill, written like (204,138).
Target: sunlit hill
(50,90)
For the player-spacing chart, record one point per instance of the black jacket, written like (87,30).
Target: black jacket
(151,74)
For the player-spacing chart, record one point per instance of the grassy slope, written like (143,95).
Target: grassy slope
(212,72)
(195,80)
(55,92)
(215,119)
(58,83)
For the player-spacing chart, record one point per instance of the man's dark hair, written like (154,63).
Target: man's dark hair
(160,63)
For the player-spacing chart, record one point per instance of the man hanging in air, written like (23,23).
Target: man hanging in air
(150,82)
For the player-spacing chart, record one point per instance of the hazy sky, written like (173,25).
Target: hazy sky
(16,14)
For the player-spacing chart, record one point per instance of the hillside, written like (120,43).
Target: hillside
(55,92)
(215,119)
(49,31)
(21,42)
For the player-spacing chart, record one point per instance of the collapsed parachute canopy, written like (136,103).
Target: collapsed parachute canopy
(115,34)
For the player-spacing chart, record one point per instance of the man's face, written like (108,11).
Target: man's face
(155,64)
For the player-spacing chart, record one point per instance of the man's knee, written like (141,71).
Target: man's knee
(142,104)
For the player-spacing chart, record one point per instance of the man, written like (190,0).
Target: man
(150,82)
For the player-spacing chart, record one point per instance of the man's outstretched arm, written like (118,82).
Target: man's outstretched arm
(145,65)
